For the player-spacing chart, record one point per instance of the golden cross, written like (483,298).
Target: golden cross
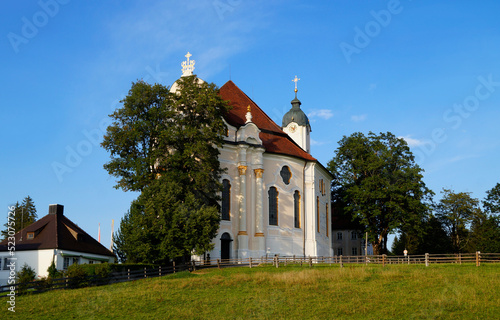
(296,80)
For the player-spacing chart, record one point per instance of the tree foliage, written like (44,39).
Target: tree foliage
(456,211)
(379,183)
(492,201)
(165,145)
(24,215)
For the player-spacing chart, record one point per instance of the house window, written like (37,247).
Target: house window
(339,251)
(226,199)
(91,261)
(273,206)
(6,263)
(66,263)
(286,174)
(317,213)
(354,251)
(339,235)
(354,235)
(31,235)
(296,209)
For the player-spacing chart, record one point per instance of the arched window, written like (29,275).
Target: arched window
(273,206)
(226,200)
(317,213)
(296,209)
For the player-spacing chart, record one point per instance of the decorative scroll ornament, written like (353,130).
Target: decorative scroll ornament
(187,66)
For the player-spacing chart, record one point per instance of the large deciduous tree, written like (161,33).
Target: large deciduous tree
(24,215)
(165,145)
(492,201)
(456,211)
(378,182)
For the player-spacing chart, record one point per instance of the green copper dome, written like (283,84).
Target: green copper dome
(295,115)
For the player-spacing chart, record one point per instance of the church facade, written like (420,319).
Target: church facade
(275,198)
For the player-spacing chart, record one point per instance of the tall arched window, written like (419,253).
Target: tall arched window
(317,213)
(273,206)
(296,209)
(226,200)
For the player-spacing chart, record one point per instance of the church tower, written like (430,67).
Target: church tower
(296,124)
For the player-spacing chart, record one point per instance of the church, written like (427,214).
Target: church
(275,198)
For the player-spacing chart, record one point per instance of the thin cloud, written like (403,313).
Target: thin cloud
(321,113)
(317,143)
(359,118)
(413,142)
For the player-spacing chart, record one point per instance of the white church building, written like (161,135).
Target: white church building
(275,198)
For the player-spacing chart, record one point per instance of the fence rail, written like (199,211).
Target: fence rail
(277,261)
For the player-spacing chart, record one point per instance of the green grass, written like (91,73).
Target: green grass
(293,292)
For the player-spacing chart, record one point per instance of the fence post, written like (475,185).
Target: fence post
(341,264)
(250,262)
(426,259)
(310,262)
(193,264)
(218,263)
(277,261)
(159,270)
(383,260)
(173,265)
(128,274)
(145,272)
(478,259)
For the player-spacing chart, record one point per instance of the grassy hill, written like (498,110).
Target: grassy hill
(293,292)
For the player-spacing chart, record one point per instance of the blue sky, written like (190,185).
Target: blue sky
(424,70)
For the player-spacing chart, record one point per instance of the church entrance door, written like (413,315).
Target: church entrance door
(225,246)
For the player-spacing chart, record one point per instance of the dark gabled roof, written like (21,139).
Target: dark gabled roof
(55,231)
(273,138)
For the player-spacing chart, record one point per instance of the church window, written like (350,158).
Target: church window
(317,213)
(327,225)
(354,251)
(339,235)
(296,207)
(339,251)
(273,206)
(286,174)
(354,235)
(226,199)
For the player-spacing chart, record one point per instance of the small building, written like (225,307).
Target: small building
(347,237)
(52,238)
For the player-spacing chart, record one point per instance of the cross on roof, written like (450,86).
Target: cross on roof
(187,66)
(296,80)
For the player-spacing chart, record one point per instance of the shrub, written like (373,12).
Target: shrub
(24,276)
(77,275)
(53,272)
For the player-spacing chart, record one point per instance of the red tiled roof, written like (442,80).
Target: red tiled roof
(55,231)
(273,138)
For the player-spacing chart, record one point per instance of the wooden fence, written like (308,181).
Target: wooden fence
(425,259)
(277,261)
(78,282)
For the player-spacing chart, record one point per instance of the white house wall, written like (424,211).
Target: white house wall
(40,260)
